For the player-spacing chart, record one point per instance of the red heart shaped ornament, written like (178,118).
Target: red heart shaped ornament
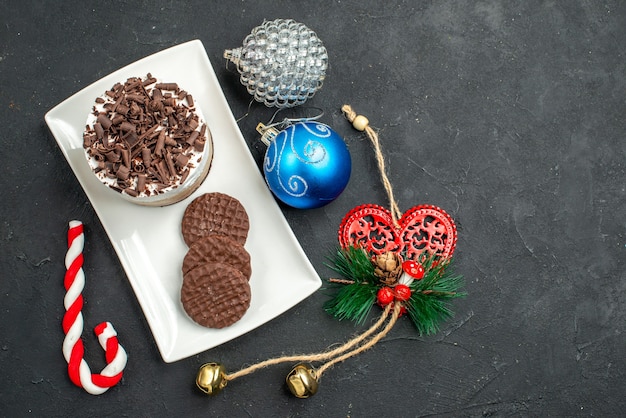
(421,228)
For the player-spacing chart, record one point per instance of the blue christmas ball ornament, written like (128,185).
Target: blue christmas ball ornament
(307,165)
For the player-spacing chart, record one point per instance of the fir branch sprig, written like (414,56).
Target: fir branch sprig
(353,302)
(429,302)
(353,263)
(357,289)
(357,293)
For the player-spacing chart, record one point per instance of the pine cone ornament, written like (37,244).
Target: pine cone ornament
(388,267)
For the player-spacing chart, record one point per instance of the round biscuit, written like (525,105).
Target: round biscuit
(215,213)
(215,295)
(217,249)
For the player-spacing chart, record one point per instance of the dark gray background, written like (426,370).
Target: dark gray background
(509,115)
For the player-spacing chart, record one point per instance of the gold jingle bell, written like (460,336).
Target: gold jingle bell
(302,381)
(211,378)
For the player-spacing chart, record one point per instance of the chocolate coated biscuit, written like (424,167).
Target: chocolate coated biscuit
(217,249)
(215,295)
(215,213)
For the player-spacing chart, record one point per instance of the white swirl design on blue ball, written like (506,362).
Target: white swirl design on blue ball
(295,182)
(269,162)
(321,130)
(312,152)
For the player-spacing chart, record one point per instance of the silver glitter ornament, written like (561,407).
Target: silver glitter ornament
(282,63)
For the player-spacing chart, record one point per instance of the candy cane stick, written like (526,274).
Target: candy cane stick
(73,349)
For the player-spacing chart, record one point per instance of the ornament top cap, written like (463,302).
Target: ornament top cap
(268,133)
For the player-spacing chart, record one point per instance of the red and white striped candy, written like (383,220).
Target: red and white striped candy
(73,349)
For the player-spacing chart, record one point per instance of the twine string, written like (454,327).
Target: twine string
(312,357)
(352,116)
(394,317)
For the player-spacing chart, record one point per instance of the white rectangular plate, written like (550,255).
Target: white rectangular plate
(148,240)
